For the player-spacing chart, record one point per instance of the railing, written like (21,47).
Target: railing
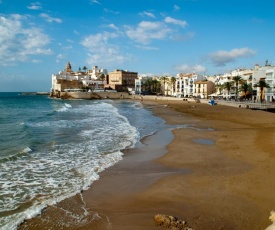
(257,105)
(245,104)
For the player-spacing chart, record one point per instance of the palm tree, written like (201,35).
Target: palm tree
(156,86)
(143,87)
(84,68)
(147,86)
(228,86)
(237,80)
(218,88)
(262,85)
(124,85)
(246,88)
(164,79)
(102,78)
(172,82)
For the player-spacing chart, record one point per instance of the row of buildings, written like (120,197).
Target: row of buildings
(181,85)
(94,79)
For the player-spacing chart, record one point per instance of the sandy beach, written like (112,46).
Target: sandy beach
(216,173)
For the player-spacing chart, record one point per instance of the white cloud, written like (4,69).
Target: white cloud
(18,43)
(95,2)
(35,6)
(68,47)
(147,47)
(101,51)
(50,19)
(70,40)
(93,41)
(183,37)
(222,57)
(190,69)
(59,57)
(175,21)
(36,61)
(113,26)
(176,8)
(147,31)
(76,32)
(149,14)
(110,11)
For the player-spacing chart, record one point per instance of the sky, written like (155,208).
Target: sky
(151,37)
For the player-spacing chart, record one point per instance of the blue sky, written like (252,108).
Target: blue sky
(151,37)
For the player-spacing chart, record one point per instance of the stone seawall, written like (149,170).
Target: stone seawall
(161,98)
(117,95)
(91,96)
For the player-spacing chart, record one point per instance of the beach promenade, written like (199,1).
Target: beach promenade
(246,104)
(218,173)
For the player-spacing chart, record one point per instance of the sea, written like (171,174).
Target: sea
(52,149)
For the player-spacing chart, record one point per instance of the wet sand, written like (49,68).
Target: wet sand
(217,174)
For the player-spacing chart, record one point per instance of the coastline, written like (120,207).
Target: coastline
(225,185)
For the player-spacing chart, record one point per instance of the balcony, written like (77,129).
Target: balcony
(270,90)
(269,76)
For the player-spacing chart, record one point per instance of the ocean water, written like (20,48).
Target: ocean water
(52,149)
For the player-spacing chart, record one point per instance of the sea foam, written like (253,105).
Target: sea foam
(87,139)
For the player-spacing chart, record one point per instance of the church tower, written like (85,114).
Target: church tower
(68,67)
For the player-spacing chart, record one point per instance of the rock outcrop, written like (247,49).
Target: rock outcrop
(272,218)
(171,222)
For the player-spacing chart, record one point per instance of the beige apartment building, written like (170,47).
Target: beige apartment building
(203,89)
(121,80)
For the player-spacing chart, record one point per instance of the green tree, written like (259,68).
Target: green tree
(156,86)
(246,88)
(164,79)
(142,87)
(237,80)
(84,68)
(262,85)
(218,88)
(172,84)
(151,86)
(146,87)
(102,77)
(124,85)
(228,86)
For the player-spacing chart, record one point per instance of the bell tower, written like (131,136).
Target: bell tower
(68,67)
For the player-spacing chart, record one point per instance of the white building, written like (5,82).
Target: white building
(68,80)
(139,82)
(94,73)
(266,73)
(185,84)
(251,76)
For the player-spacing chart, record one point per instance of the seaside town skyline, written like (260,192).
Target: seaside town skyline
(182,36)
(257,84)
